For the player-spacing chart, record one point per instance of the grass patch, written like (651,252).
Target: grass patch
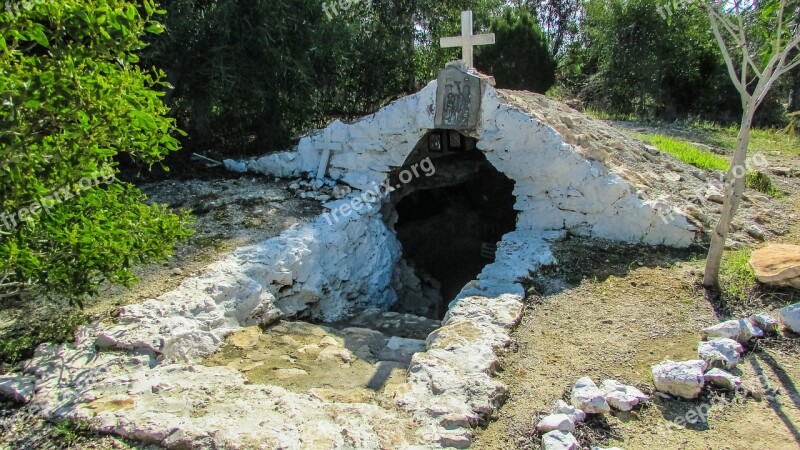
(688,153)
(691,154)
(71,433)
(762,183)
(737,279)
(603,115)
(761,139)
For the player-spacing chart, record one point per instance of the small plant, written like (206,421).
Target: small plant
(70,432)
(737,278)
(761,182)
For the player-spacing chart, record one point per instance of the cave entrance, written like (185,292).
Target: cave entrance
(448,218)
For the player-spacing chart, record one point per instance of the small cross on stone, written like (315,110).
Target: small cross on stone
(327,147)
(467,40)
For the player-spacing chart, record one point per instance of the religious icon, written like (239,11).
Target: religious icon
(455,140)
(435,142)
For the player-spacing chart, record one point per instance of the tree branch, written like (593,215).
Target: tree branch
(727,55)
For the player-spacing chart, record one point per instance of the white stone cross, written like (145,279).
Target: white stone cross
(327,147)
(467,40)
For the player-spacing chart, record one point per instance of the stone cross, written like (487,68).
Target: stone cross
(327,147)
(467,40)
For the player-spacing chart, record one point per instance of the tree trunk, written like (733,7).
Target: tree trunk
(734,188)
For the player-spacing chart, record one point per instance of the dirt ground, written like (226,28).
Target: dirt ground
(635,308)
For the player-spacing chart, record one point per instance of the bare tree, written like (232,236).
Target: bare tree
(757,39)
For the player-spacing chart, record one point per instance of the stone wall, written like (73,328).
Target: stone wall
(565,179)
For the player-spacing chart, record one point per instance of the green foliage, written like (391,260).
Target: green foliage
(631,60)
(737,279)
(761,182)
(72,99)
(521,58)
(250,76)
(70,433)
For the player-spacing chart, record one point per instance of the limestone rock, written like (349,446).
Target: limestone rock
(559,440)
(790,317)
(722,379)
(336,354)
(778,265)
(401,349)
(19,388)
(560,422)
(587,397)
(756,232)
(765,322)
(683,379)
(721,353)
(622,397)
(562,407)
(341,191)
(738,330)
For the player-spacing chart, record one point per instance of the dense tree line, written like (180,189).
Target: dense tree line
(248,76)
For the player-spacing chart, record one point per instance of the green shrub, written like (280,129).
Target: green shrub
(521,58)
(72,99)
(737,278)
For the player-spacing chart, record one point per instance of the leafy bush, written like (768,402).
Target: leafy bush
(72,99)
(630,59)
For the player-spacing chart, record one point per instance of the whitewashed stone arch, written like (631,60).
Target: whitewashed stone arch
(556,185)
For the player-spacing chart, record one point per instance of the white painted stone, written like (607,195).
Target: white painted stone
(561,422)
(574,191)
(738,330)
(790,317)
(722,379)
(721,353)
(17,387)
(559,440)
(765,322)
(587,397)
(562,407)
(622,397)
(683,379)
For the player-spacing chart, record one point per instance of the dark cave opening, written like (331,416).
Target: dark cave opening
(448,223)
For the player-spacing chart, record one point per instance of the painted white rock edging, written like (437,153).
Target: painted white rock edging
(622,397)
(739,330)
(790,317)
(683,379)
(721,353)
(559,440)
(723,380)
(587,397)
